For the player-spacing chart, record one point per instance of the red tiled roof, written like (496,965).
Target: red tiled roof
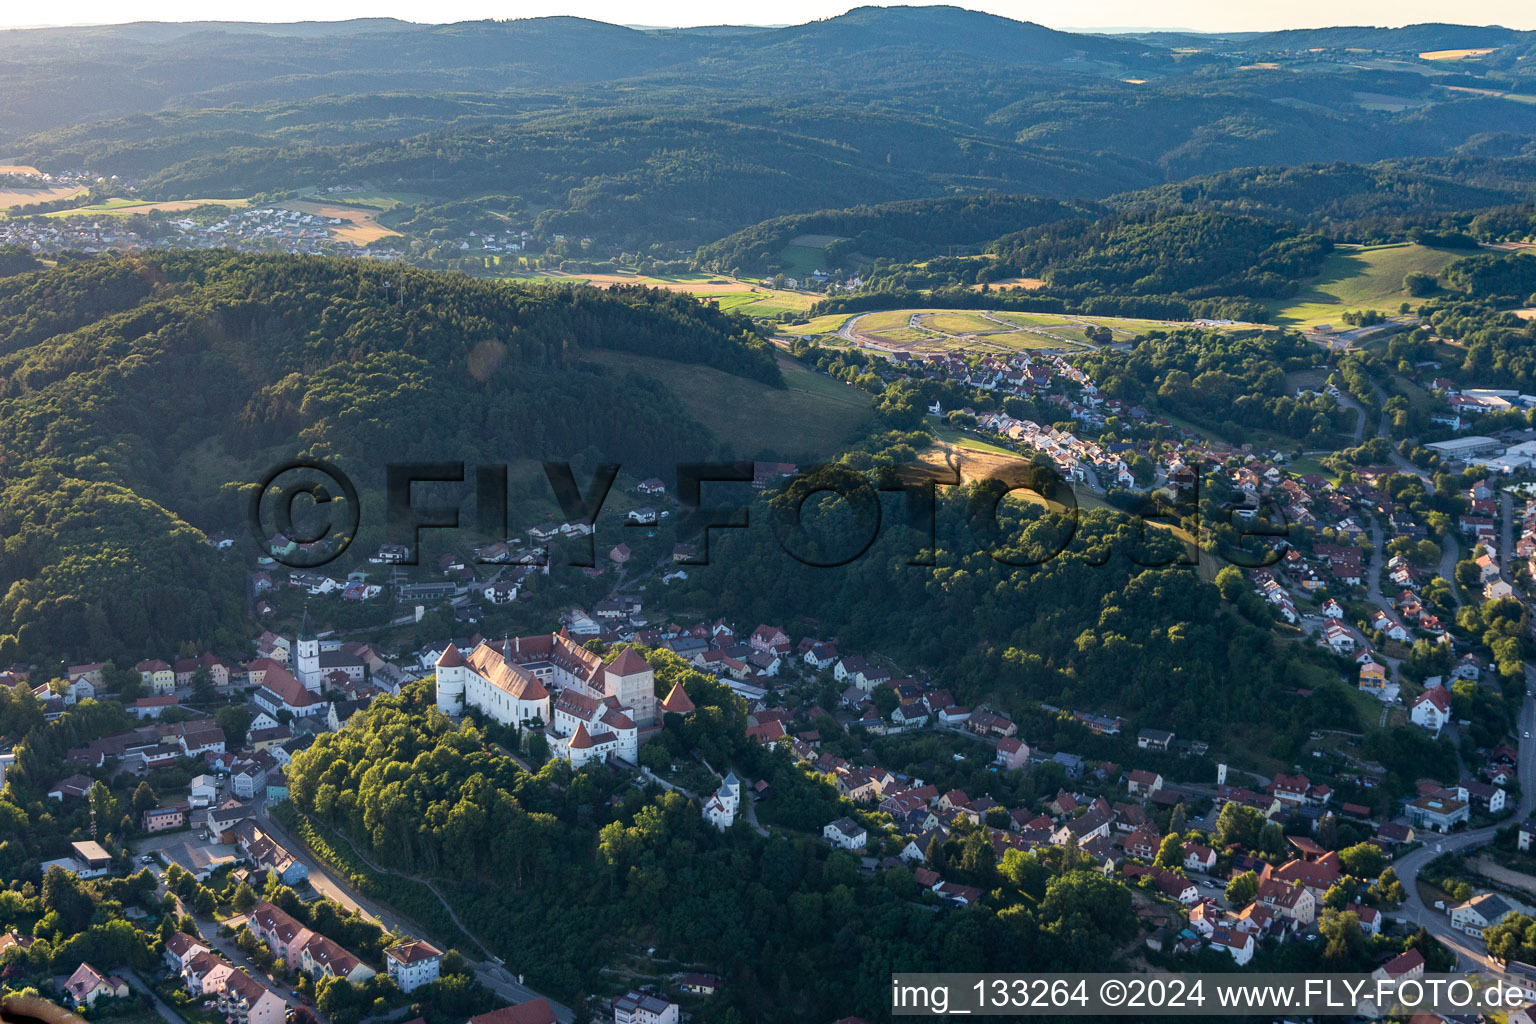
(535,1011)
(581,739)
(628,663)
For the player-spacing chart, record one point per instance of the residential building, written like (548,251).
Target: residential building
(845,833)
(413,964)
(88,984)
(643,1008)
(1480,913)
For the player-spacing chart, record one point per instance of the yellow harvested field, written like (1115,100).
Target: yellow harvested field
(1456,54)
(1261,66)
(713,286)
(28,196)
(1028,284)
(1526,314)
(362,225)
(19,169)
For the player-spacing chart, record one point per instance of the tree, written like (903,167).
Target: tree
(1344,942)
(64,899)
(1242,889)
(1437,959)
(244,898)
(234,719)
(1363,860)
(1339,895)
(1238,824)
(144,798)
(1388,890)
(1231,583)
(203,689)
(1171,853)
(1086,915)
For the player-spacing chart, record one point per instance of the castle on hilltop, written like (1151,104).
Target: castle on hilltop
(596,711)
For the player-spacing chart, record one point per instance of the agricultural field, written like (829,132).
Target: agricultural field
(127,207)
(378,199)
(362,225)
(10,198)
(1366,278)
(1456,54)
(810,418)
(939,330)
(729,294)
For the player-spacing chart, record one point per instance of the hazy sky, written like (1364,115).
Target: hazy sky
(1209,15)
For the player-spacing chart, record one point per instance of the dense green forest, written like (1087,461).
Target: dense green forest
(1173,263)
(1227,382)
(140,395)
(1110,622)
(906,230)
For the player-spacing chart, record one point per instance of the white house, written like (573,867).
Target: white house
(1237,943)
(845,833)
(1432,709)
(1480,913)
(643,1008)
(203,791)
(413,964)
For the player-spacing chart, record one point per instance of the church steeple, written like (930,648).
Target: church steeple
(307,663)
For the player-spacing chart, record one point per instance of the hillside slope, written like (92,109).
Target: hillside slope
(141,395)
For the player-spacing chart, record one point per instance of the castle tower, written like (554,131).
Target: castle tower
(677,702)
(307,661)
(450,680)
(631,679)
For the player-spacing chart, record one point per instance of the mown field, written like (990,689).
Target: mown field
(941,330)
(1359,279)
(812,417)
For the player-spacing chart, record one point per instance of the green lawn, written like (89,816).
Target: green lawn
(812,417)
(377,199)
(963,323)
(831,323)
(800,260)
(963,440)
(760,304)
(1306,464)
(1359,279)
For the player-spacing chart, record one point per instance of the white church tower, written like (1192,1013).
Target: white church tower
(307,656)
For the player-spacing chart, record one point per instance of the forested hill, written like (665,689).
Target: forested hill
(905,230)
(141,394)
(140,69)
(673,139)
(1345,194)
(1408,39)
